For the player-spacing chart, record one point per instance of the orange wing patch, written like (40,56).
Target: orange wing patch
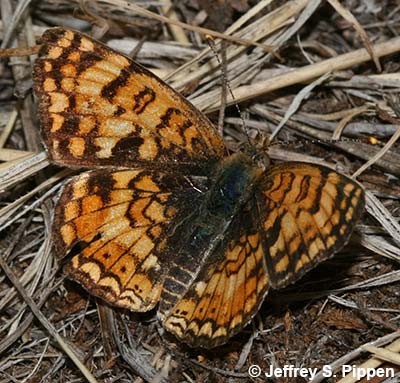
(226,294)
(99,108)
(308,214)
(117,224)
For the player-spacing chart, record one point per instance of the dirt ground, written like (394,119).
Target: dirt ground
(327,74)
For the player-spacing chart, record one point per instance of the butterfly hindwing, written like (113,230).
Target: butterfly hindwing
(99,108)
(227,291)
(308,213)
(117,224)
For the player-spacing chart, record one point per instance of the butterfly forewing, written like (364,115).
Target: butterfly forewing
(99,108)
(308,213)
(118,223)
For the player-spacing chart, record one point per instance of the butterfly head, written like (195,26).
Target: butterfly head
(258,155)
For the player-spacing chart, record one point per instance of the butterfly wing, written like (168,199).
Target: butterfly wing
(116,224)
(308,213)
(99,108)
(226,293)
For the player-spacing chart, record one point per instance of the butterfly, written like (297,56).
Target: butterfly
(165,217)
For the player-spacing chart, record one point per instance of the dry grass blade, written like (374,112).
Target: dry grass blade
(372,363)
(16,171)
(204,31)
(352,20)
(379,154)
(387,355)
(346,359)
(382,215)
(308,73)
(45,323)
(303,94)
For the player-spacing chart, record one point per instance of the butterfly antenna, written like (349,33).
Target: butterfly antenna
(317,141)
(225,86)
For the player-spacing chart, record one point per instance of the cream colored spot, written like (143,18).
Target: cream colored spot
(65,43)
(68,84)
(220,332)
(151,262)
(71,210)
(93,270)
(126,240)
(68,234)
(87,124)
(55,52)
(80,187)
(109,282)
(206,329)
(104,108)
(76,146)
(314,247)
(200,288)
(155,212)
(172,134)
(331,241)
(330,189)
(236,320)
(49,84)
(56,144)
(142,247)
(175,325)
(89,88)
(130,300)
(57,122)
(106,145)
(69,35)
(148,150)
(86,45)
(193,327)
(58,102)
(98,75)
(122,179)
(109,67)
(140,281)
(117,59)
(116,127)
(113,229)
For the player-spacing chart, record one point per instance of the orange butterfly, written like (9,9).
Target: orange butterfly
(166,217)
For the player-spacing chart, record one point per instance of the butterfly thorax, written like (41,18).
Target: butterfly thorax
(235,178)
